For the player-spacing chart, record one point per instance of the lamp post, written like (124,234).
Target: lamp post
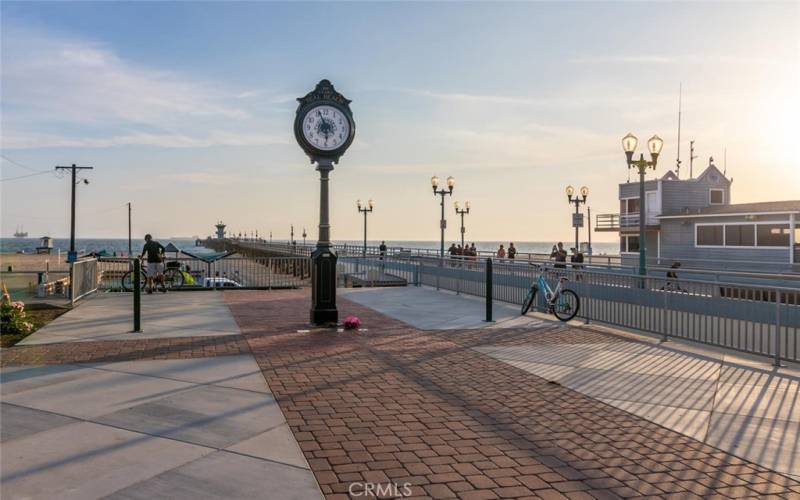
(654,145)
(365,210)
(451,181)
(577,200)
(462,213)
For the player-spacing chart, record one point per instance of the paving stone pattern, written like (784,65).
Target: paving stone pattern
(393,404)
(123,350)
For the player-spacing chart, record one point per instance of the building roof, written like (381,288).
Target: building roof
(764,207)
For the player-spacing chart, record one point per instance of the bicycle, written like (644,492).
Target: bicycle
(173,277)
(562,302)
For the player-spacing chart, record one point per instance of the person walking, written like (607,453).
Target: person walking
(672,278)
(577,262)
(452,250)
(560,255)
(155,263)
(382,249)
(501,252)
(512,251)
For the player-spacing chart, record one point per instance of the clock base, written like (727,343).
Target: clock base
(323,287)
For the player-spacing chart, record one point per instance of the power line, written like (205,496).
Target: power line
(24,176)
(13,162)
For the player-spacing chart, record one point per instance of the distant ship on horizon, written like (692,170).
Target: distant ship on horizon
(19,233)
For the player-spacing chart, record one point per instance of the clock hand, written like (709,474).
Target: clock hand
(324,127)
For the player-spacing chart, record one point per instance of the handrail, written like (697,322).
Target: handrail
(606,261)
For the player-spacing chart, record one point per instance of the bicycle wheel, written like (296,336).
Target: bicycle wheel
(173,278)
(566,305)
(529,300)
(127,281)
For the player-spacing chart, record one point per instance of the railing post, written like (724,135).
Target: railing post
(588,286)
(777,328)
(137,296)
(665,336)
(488,290)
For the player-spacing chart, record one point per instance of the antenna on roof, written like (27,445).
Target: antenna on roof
(678,160)
(691,159)
(725,162)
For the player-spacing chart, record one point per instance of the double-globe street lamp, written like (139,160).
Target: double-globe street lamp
(462,212)
(577,200)
(654,145)
(451,181)
(365,210)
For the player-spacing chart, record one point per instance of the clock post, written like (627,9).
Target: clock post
(324,129)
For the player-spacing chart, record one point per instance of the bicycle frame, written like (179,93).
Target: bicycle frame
(549,293)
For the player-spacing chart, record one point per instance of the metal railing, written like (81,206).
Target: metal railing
(228,272)
(748,270)
(623,221)
(757,319)
(84,278)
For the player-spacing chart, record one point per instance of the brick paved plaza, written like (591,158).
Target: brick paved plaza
(424,413)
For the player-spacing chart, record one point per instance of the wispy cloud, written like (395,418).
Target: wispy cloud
(643,59)
(97,98)
(678,59)
(573,98)
(215,138)
(203,178)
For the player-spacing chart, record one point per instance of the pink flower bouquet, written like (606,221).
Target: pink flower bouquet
(352,322)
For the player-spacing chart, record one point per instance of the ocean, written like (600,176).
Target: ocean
(120,246)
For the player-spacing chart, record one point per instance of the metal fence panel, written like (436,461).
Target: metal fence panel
(84,278)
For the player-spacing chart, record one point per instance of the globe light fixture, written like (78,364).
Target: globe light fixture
(365,210)
(462,213)
(577,219)
(451,181)
(654,146)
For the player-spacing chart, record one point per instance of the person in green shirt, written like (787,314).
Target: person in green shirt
(155,263)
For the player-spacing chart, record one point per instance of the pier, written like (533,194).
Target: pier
(425,395)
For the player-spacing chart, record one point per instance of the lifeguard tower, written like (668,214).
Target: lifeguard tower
(45,245)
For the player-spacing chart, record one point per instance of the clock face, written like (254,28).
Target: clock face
(326,127)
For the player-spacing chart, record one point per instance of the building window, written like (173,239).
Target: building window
(773,235)
(709,235)
(629,243)
(629,206)
(740,235)
(716,196)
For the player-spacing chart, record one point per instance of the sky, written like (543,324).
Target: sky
(186,110)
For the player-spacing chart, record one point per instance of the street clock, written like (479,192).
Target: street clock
(324,126)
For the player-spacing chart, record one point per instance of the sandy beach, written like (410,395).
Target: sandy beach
(32,262)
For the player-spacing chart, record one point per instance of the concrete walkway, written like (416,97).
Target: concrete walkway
(194,428)
(430,309)
(144,423)
(741,405)
(109,316)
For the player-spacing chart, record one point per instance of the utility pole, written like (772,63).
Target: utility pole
(73,255)
(691,159)
(130,247)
